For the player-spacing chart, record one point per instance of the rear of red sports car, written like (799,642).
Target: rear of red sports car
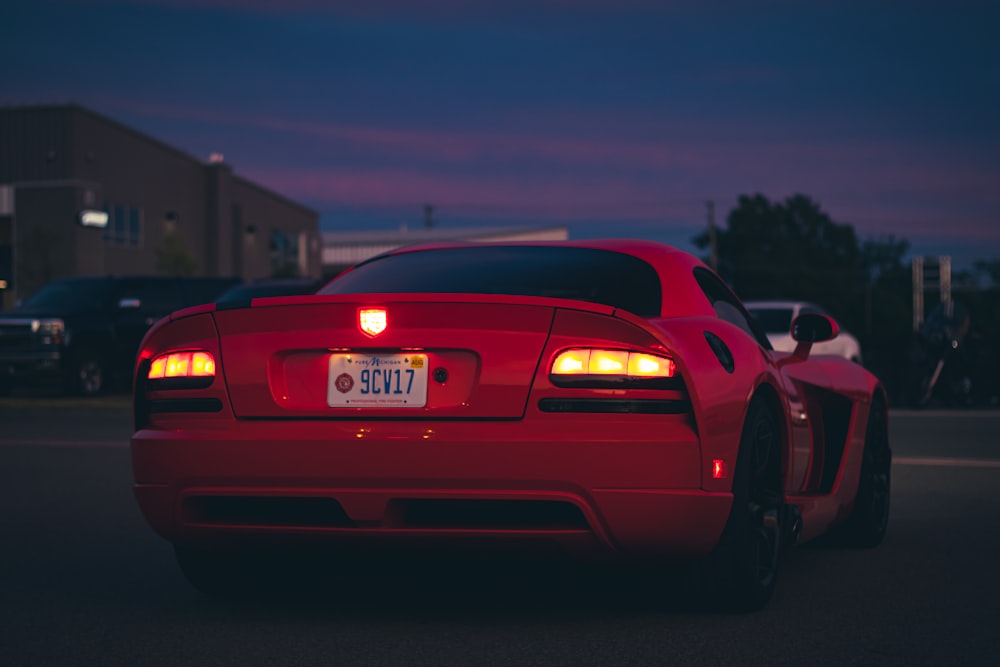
(489,395)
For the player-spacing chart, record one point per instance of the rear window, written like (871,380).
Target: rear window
(586,274)
(773,320)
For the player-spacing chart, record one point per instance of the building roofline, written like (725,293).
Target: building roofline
(276,195)
(118,125)
(410,236)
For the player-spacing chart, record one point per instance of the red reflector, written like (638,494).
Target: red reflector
(718,468)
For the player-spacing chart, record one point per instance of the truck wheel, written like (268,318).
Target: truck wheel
(88,375)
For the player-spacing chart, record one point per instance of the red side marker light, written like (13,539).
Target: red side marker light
(718,468)
(373,321)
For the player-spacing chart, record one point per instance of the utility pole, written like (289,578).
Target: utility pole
(8,248)
(713,247)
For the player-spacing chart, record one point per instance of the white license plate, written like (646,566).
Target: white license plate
(377,381)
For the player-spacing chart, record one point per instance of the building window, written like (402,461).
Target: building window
(118,222)
(134,227)
(124,225)
(284,255)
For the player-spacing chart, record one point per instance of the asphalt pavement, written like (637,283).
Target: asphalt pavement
(84,581)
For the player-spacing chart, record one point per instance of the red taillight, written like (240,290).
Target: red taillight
(718,468)
(181,365)
(587,361)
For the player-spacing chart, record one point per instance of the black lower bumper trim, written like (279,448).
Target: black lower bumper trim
(161,405)
(615,405)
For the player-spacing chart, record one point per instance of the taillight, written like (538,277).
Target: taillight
(612,363)
(182,365)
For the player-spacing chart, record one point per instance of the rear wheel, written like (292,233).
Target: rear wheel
(741,573)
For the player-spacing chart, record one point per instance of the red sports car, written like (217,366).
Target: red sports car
(610,397)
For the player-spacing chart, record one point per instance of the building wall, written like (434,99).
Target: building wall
(45,242)
(345,249)
(166,186)
(63,159)
(35,145)
(255,216)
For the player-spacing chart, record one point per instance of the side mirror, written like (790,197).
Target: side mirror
(129,304)
(814,328)
(809,328)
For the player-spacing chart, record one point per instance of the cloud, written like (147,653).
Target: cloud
(424,10)
(581,172)
(441,145)
(557,198)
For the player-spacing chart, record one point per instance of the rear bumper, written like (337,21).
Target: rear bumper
(599,487)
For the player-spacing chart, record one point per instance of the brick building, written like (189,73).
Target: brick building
(81,194)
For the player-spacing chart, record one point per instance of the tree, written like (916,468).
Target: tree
(793,250)
(790,250)
(173,257)
(988,269)
(37,258)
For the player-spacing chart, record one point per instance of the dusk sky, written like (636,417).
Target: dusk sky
(612,117)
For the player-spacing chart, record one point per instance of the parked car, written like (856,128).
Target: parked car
(81,334)
(269,287)
(610,397)
(776,318)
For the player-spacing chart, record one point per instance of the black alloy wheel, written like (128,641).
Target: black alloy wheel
(741,573)
(765,501)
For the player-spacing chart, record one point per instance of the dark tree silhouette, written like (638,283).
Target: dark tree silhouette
(794,250)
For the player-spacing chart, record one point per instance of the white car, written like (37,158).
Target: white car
(775,317)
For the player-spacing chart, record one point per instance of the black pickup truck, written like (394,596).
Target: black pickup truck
(82,334)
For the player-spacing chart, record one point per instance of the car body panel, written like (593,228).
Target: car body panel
(502,450)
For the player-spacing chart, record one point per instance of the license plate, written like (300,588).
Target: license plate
(377,381)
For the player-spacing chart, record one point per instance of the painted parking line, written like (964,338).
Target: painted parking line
(943,462)
(989,413)
(6,442)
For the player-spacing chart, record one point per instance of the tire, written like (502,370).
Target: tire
(243,570)
(741,573)
(868,522)
(88,375)
(224,572)
(925,385)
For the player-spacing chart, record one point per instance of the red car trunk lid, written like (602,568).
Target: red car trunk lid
(441,357)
